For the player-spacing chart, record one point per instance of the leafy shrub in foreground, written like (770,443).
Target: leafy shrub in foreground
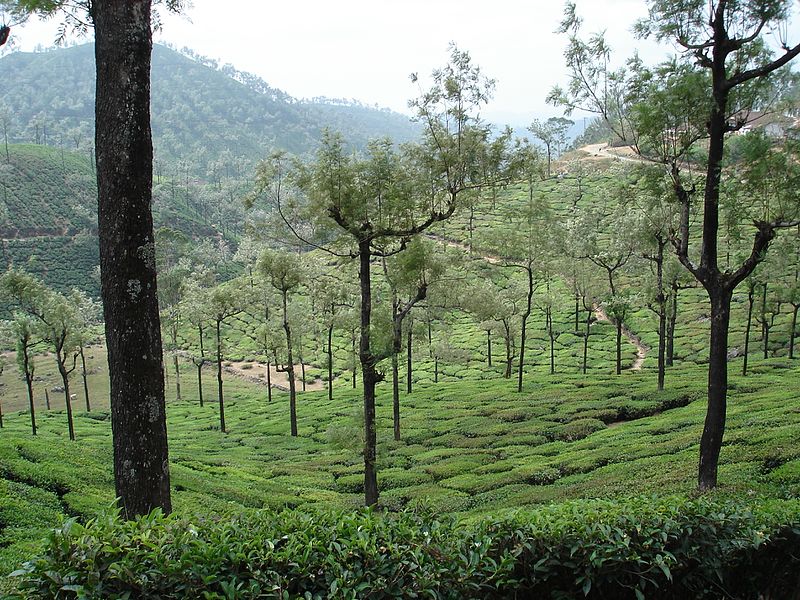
(640,548)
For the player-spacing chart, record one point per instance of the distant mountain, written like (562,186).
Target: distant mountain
(201,113)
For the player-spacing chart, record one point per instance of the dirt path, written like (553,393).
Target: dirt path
(256,372)
(624,153)
(641,349)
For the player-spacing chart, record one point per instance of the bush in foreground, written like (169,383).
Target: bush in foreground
(639,548)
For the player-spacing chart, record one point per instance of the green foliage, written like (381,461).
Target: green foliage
(650,547)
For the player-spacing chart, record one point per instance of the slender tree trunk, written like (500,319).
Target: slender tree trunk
(435,369)
(303,373)
(355,374)
(220,397)
(176,366)
(28,372)
(793,331)
(85,383)
(714,428)
(489,346)
(124,155)
(523,330)
(290,367)
(67,400)
(199,365)
(369,376)
(409,357)
(619,346)
(269,383)
(765,322)
(673,317)
(750,302)
(47,398)
(330,363)
(586,339)
(396,395)
(509,353)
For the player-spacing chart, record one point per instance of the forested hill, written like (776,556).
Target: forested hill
(201,113)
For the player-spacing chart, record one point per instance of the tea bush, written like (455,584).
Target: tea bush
(646,547)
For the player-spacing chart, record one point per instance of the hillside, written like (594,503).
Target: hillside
(200,113)
(48,215)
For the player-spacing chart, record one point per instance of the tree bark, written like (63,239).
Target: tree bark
(369,376)
(714,428)
(489,346)
(47,398)
(290,366)
(28,372)
(85,383)
(124,156)
(330,363)
(793,331)
(409,358)
(525,315)
(269,384)
(750,302)
(220,397)
(619,346)
(673,317)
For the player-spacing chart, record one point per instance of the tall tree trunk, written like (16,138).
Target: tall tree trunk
(525,315)
(355,355)
(290,367)
(750,303)
(85,383)
(489,346)
(397,346)
(26,367)
(220,397)
(765,322)
(409,357)
(67,400)
(47,398)
(269,383)
(673,317)
(435,369)
(124,155)
(509,352)
(369,376)
(619,346)
(199,364)
(330,363)
(176,366)
(793,331)
(714,427)
(586,339)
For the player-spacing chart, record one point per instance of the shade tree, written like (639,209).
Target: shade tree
(285,272)
(373,206)
(726,56)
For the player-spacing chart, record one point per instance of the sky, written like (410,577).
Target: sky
(366,49)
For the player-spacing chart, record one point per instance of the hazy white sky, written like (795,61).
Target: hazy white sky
(366,49)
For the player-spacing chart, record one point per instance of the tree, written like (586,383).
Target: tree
(379,203)
(124,158)
(411,272)
(23,329)
(88,313)
(729,69)
(285,272)
(58,319)
(224,301)
(553,134)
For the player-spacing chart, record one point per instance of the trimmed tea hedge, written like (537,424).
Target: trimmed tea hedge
(661,548)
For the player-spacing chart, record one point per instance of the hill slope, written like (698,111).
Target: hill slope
(199,113)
